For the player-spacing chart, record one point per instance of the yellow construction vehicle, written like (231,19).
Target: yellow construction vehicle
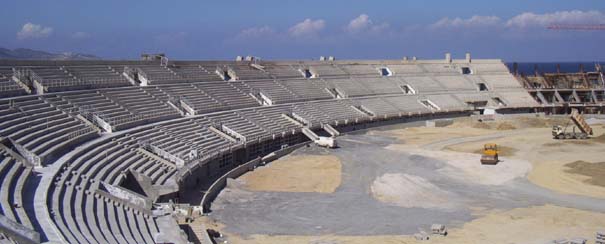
(490,154)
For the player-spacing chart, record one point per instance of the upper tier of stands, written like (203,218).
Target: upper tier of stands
(37,124)
(46,79)
(41,77)
(8,86)
(195,72)
(115,109)
(40,130)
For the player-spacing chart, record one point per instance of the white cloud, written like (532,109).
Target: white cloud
(80,35)
(364,23)
(256,32)
(308,27)
(33,31)
(360,23)
(472,22)
(529,19)
(380,27)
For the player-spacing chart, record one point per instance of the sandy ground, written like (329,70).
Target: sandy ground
(530,153)
(466,166)
(424,135)
(410,191)
(549,158)
(596,171)
(313,173)
(538,225)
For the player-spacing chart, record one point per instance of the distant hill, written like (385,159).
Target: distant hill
(24,53)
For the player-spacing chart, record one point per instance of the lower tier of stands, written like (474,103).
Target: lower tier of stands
(15,221)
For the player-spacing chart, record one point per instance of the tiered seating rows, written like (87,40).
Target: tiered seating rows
(83,216)
(8,87)
(61,78)
(195,72)
(41,128)
(246,72)
(179,139)
(13,177)
(122,108)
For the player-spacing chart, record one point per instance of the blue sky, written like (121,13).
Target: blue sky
(513,30)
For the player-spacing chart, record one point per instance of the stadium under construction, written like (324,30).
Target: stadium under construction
(160,151)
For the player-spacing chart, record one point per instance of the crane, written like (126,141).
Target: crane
(579,27)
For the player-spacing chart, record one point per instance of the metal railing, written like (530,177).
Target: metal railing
(22,74)
(101,82)
(9,87)
(33,76)
(80,132)
(129,118)
(157,76)
(189,103)
(130,71)
(141,73)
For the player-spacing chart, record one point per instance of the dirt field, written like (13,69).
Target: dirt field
(424,135)
(569,167)
(409,191)
(296,174)
(534,225)
(549,158)
(530,225)
(596,171)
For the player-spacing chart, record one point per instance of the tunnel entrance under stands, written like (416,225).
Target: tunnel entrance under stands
(407,89)
(226,76)
(308,74)
(466,71)
(498,101)
(384,71)
(482,87)
(428,104)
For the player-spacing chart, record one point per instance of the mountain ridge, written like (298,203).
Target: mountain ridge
(31,54)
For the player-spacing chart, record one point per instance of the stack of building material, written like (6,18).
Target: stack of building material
(600,237)
(438,229)
(577,240)
(421,236)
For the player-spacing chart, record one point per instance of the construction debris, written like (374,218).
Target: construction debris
(600,237)
(558,241)
(421,236)
(578,240)
(439,229)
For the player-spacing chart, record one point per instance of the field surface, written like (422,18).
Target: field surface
(384,185)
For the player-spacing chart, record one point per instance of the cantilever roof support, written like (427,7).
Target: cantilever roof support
(558,97)
(541,97)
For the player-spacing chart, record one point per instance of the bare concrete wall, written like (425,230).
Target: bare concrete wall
(221,182)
